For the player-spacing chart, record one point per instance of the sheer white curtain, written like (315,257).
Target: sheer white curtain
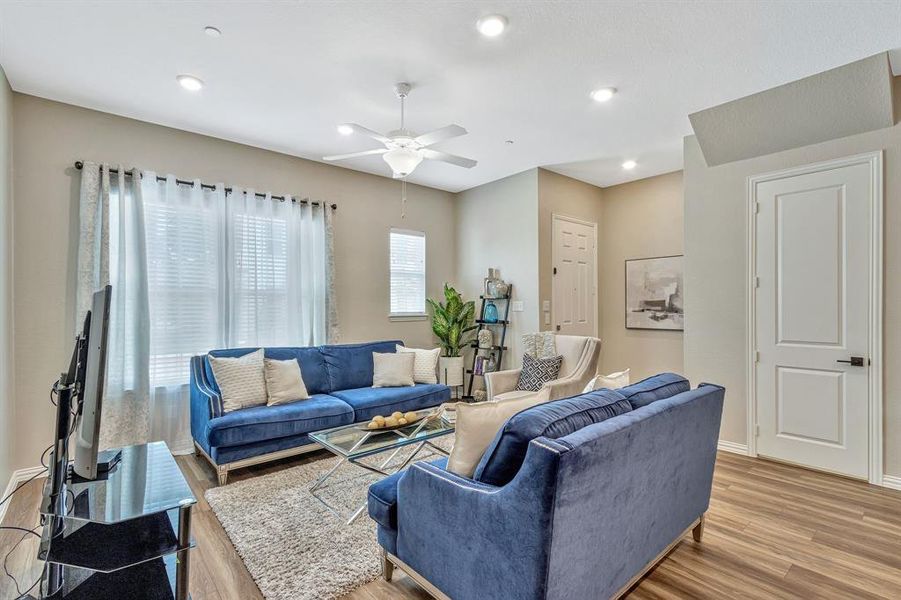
(194,269)
(112,250)
(277,264)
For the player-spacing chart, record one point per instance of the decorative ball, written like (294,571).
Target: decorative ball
(479,395)
(397,414)
(379,419)
(372,425)
(401,421)
(410,416)
(391,421)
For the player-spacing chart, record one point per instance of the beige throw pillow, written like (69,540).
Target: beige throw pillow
(540,345)
(478,423)
(284,383)
(613,381)
(425,364)
(240,380)
(392,369)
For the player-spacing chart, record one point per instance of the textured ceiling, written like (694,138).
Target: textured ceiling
(283,74)
(850,99)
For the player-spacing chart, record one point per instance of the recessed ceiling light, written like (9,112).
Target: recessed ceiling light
(190,83)
(603,94)
(345,129)
(212,31)
(492,25)
(629,165)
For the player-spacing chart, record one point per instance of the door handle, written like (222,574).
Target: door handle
(856,361)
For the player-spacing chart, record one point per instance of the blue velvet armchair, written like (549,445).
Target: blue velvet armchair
(585,516)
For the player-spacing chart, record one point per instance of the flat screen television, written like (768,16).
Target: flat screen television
(90,378)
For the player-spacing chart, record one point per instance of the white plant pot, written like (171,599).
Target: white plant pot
(450,370)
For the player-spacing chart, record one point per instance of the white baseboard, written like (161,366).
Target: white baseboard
(14,480)
(732,447)
(891,481)
(888,481)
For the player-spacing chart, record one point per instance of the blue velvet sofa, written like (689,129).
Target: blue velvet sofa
(339,381)
(577,498)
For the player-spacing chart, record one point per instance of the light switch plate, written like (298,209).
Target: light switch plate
(547,318)
(517,306)
(546,306)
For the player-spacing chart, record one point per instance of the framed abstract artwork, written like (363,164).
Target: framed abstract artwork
(654,297)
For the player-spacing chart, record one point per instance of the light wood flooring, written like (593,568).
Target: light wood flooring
(773,531)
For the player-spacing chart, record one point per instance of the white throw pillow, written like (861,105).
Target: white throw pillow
(613,381)
(424,365)
(241,380)
(392,369)
(284,383)
(478,423)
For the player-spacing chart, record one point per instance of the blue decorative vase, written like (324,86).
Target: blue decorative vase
(490,315)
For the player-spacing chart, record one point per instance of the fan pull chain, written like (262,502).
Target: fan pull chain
(403,198)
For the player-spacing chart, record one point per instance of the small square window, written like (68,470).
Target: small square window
(407,267)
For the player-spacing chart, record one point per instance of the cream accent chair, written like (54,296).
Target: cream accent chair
(580,364)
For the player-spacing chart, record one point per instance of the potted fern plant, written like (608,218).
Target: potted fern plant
(452,324)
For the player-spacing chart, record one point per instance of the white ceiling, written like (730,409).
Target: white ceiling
(283,74)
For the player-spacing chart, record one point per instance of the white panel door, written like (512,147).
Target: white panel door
(813,263)
(575,290)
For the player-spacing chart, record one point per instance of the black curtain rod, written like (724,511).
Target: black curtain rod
(207,186)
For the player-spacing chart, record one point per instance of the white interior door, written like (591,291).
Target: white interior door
(812,315)
(575,288)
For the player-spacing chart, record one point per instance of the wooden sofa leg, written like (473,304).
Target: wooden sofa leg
(222,471)
(698,532)
(387,566)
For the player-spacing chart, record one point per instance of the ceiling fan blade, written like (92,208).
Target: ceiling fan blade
(448,158)
(368,132)
(355,154)
(439,135)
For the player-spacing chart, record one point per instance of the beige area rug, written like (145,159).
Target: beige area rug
(294,547)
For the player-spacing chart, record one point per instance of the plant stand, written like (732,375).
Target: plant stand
(497,349)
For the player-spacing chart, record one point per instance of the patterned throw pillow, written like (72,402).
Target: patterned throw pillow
(425,364)
(540,345)
(241,380)
(538,371)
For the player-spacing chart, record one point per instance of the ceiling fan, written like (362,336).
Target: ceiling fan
(404,150)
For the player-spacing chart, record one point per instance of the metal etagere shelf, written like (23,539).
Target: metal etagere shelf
(497,349)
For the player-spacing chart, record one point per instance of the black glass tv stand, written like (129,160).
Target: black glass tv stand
(126,535)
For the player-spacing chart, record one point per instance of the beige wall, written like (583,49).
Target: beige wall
(716,271)
(7,377)
(561,195)
(640,219)
(50,136)
(497,226)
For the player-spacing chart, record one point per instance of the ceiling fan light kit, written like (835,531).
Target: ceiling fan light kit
(402,161)
(404,150)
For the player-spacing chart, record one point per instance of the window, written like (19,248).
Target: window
(182,242)
(407,264)
(260,296)
(225,271)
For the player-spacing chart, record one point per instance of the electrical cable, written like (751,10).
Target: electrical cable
(28,532)
(54,391)
(23,484)
(36,584)
(44,455)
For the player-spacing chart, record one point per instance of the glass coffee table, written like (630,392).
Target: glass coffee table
(352,443)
